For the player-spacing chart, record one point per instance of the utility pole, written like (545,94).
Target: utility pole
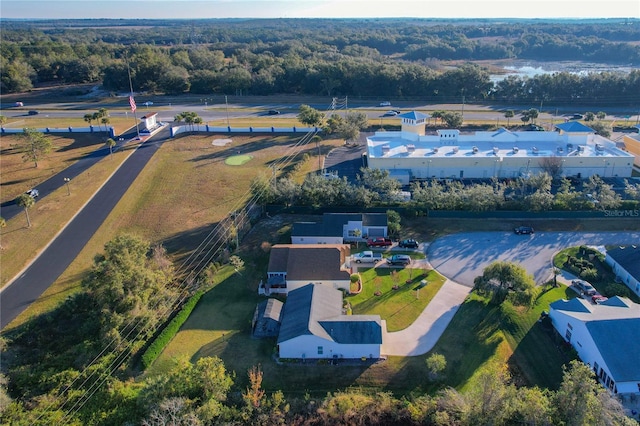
(227,108)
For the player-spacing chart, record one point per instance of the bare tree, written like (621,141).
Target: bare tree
(552,165)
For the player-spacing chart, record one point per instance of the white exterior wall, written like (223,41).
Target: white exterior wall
(337,284)
(584,345)
(485,165)
(316,240)
(307,347)
(626,277)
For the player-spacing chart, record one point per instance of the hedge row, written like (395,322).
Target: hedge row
(158,345)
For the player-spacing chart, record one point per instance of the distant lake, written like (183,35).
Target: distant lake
(524,68)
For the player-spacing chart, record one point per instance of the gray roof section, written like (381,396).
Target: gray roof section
(316,309)
(619,344)
(332,224)
(629,258)
(573,305)
(304,306)
(354,329)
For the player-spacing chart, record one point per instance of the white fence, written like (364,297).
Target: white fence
(90,129)
(205,128)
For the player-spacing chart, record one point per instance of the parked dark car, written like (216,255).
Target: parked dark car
(410,243)
(33,112)
(523,230)
(399,259)
(273,112)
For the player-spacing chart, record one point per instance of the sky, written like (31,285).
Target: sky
(190,9)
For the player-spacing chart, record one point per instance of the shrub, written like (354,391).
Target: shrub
(355,278)
(589,274)
(156,347)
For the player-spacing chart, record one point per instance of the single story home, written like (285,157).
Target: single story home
(606,337)
(339,228)
(625,263)
(294,265)
(315,326)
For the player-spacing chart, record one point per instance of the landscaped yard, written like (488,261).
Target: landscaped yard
(401,297)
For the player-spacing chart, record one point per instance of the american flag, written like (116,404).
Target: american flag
(132,102)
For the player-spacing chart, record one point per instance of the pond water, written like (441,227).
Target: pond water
(524,68)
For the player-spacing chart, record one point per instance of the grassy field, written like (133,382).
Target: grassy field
(120,124)
(179,196)
(21,244)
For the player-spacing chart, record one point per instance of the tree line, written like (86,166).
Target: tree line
(331,58)
(375,187)
(129,290)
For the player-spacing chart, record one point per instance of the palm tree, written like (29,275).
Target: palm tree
(508,114)
(26,202)
(3,223)
(88,118)
(105,121)
(111,143)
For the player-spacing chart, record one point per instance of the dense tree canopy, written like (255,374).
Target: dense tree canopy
(400,59)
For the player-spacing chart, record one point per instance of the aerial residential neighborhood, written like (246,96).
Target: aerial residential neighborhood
(306,220)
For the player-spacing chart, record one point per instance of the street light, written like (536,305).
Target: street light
(67,180)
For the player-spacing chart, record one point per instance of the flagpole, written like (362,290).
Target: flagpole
(131,99)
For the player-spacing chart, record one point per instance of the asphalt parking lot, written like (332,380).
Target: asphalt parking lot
(462,257)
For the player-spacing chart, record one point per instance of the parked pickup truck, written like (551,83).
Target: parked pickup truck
(379,242)
(367,257)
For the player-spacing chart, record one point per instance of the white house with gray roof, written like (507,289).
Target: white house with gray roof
(574,149)
(606,337)
(339,228)
(625,263)
(314,326)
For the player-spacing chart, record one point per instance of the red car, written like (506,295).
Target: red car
(598,298)
(379,242)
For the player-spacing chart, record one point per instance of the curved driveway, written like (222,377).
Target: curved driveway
(462,257)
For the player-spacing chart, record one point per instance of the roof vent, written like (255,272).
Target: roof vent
(534,149)
(599,147)
(385,149)
(435,150)
(475,149)
(411,148)
(495,150)
(560,150)
(455,149)
(581,148)
(515,149)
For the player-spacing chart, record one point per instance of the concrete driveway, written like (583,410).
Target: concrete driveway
(462,257)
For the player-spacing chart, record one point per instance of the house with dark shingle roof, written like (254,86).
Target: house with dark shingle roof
(314,326)
(606,337)
(625,263)
(339,228)
(295,265)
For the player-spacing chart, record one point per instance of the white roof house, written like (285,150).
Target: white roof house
(606,337)
(314,326)
(501,153)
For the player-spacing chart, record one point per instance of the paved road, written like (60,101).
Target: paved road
(462,257)
(55,259)
(9,209)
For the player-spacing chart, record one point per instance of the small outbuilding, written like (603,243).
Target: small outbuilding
(266,318)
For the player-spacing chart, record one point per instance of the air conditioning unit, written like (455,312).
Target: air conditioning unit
(385,149)
(435,150)
(515,149)
(495,150)
(560,150)
(599,147)
(411,148)
(455,149)
(534,149)
(475,149)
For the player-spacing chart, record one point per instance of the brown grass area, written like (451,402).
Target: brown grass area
(18,176)
(184,190)
(49,214)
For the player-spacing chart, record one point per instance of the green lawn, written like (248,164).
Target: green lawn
(399,307)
